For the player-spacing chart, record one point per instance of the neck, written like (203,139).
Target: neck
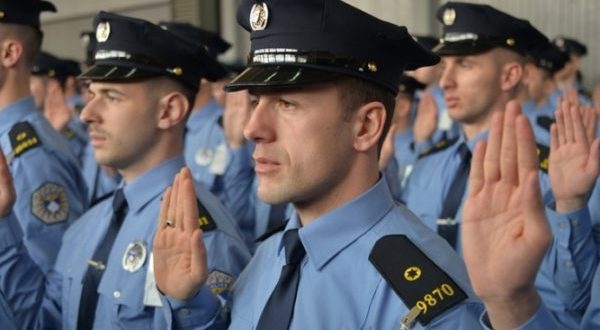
(359,179)
(482,123)
(14,88)
(165,148)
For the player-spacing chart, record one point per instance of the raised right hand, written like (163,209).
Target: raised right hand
(235,117)
(426,120)
(179,253)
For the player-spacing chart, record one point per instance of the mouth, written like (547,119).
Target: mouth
(97,138)
(451,101)
(264,165)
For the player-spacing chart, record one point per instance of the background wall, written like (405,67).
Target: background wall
(576,18)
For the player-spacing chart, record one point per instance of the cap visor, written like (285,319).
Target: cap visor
(115,73)
(462,48)
(279,76)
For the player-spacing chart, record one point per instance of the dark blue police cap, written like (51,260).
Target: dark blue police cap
(212,42)
(475,28)
(570,45)
(428,42)
(88,40)
(549,57)
(24,12)
(130,49)
(310,41)
(71,67)
(409,85)
(49,65)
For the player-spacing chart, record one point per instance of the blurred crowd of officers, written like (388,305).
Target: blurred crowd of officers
(350,175)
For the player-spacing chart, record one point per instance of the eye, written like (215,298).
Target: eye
(253,102)
(286,104)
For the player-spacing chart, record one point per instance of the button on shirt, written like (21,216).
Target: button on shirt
(128,298)
(38,174)
(430,182)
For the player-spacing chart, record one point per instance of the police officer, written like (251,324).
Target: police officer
(322,94)
(483,54)
(46,173)
(103,277)
(570,77)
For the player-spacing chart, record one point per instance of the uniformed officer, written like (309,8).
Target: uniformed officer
(570,76)
(483,54)
(46,174)
(206,152)
(103,277)
(322,95)
(48,84)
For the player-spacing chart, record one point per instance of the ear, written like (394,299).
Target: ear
(11,52)
(369,121)
(173,110)
(511,75)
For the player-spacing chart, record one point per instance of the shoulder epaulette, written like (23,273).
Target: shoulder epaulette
(23,138)
(422,285)
(545,122)
(205,220)
(270,232)
(543,153)
(443,144)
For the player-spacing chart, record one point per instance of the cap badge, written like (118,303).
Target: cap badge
(103,31)
(510,41)
(2,14)
(259,16)
(449,16)
(135,256)
(559,42)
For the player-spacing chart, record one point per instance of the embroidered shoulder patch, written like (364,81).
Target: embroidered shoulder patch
(219,282)
(23,138)
(543,153)
(205,220)
(443,144)
(424,287)
(49,203)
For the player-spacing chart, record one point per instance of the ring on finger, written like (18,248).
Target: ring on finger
(170,223)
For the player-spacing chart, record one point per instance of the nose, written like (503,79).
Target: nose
(260,126)
(447,80)
(89,112)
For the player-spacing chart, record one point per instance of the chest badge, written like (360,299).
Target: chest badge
(135,256)
(203,156)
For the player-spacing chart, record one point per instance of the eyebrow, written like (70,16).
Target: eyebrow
(106,90)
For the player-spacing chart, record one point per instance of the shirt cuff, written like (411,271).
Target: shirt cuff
(570,228)
(541,320)
(202,309)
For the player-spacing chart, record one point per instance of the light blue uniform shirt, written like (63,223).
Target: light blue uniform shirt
(128,299)
(591,318)
(205,148)
(572,246)
(51,191)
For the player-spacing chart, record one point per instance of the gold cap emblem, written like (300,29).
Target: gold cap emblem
(559,42)
(2,14)
(176,71)
(449,16)
(259,16)
(103,31)
(510,41)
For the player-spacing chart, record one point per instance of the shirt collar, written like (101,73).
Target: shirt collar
(152,183)
(330,233)
(15,112)
(471,143)
(202,114)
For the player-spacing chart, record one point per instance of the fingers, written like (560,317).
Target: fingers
(593,164)
(526,149)
(199,263)
(537,227)
(560,125)
(554,141)
(491,168)
(164,209)
(172,211)
(508,152)
(189,202)
(589,122)
(476,177)
(568,124)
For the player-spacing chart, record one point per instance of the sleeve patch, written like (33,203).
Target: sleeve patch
(219,282)
(49,203)
(23,138)
(543,152)
(205,220)
(423,286)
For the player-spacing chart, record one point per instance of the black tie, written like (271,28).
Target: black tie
(97,265)
(277,314)
(446,224)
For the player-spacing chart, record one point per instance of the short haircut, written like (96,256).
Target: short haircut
(356,92)
(30,38)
